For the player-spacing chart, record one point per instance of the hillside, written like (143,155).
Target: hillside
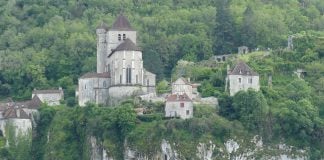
(47,44)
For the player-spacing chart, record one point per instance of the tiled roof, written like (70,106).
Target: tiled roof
(243,69)
(121,23)
(95,75)
(48,91)
(15,112)
(35,103)
(185,81)
(176,97)
(103,25)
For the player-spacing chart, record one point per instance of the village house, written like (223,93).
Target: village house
(51,97)
(179,106)
(183,86)
(21,115)
(242,77)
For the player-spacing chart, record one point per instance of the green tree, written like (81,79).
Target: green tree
(251,108)
(224,31)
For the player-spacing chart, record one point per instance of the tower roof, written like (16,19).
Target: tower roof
(242,68)
(103,25)
(127,45)
(121,23)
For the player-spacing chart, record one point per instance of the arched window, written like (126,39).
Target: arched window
(128,75)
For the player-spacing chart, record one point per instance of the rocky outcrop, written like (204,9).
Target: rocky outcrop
(232,149)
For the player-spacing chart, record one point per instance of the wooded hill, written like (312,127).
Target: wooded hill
(46,44)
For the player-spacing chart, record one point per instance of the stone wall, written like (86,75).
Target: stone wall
(93,90)
(173,109)
(52,99)
(21,126)
(120,61)
(236,85)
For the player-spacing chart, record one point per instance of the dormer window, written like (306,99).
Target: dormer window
(124,36)
(119,37)
(240,71)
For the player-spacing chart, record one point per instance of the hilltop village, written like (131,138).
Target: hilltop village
(172,83)
(120,75)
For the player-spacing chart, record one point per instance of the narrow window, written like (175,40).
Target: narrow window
(240,80)
(119,37)
(120,79)
(182,105)
(250,80)
(188,112)
(108,69)
(104,84)
(128,75)
(136,79)
(124,36)
(148,82)
(85,86)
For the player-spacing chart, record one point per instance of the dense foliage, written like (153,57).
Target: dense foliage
(49,43)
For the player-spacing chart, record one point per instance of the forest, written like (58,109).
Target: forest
(50,43)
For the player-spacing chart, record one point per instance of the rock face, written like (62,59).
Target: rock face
(97,152)
(232,150)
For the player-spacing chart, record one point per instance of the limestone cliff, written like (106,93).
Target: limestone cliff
(232,149)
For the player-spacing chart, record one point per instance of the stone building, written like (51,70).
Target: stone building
(21,115)
(179,106)
(242,77)
(183,86)
(50,97)
(18,118)
(243,50)
(120,71)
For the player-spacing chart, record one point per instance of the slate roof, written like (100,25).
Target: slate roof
(103,25)
(14,112)
(242,68)
(122,24)
(177,98)
(95,75)
(127,45)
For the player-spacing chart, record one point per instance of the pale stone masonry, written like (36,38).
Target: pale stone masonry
(120,71)
(183,86)
(51,97)
(242,77)
(179,106)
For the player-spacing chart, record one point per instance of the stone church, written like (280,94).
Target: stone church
(120,72)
